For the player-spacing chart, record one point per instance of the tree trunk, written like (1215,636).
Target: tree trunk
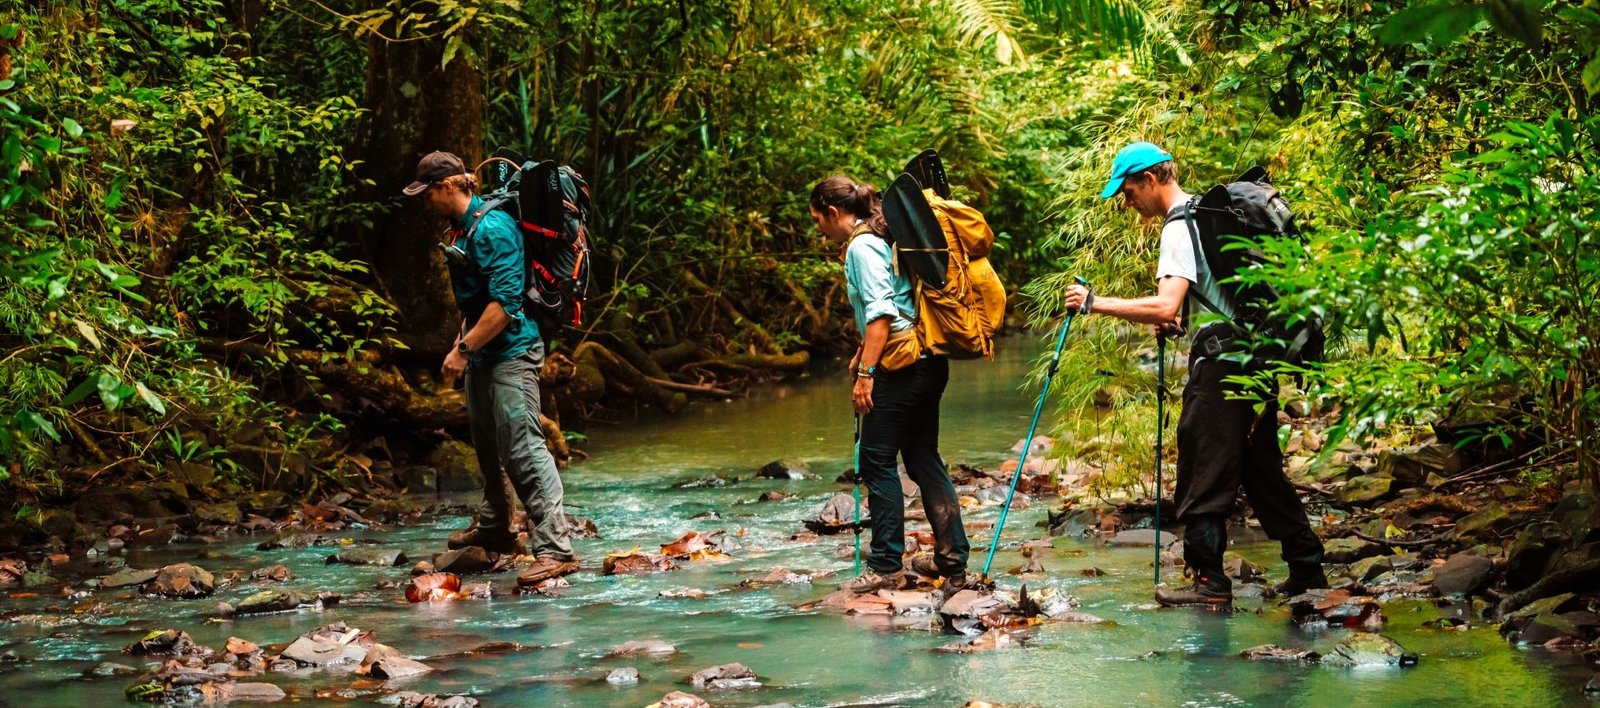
(416,108)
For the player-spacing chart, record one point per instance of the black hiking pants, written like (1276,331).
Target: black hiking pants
(904,422)
(1224,445)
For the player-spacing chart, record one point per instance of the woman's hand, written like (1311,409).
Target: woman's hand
(861,395)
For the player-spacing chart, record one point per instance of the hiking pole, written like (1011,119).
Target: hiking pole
(855,489)
(1161,424)
(1049,376)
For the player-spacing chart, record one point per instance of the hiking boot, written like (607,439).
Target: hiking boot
(923,564)
(496,541)
(954,584)
(1203,592)
(873,581)
(1301,579)
(545,568)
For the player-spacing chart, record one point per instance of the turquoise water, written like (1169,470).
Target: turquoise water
(1144,657)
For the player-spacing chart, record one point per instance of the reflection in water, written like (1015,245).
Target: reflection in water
(1148,657)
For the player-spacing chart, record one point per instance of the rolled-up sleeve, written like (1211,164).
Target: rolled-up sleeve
(872,274)
(500,256)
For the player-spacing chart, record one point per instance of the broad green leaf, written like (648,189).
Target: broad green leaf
(108,385)
(150,398)
(1442,21)
(80,392)
(1518,20)
(73,129)
(40,424)
(87,332)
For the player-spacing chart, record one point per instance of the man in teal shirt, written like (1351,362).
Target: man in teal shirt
(499,350)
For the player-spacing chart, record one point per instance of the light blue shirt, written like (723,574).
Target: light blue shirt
(874,288)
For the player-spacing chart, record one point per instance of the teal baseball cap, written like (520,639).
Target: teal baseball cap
(1131,159)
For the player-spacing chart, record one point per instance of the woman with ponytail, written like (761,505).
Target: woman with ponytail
(896,392)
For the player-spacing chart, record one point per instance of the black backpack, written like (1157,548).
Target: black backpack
(550,205)
(1226,225)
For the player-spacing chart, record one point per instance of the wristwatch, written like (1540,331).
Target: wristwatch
(461,346)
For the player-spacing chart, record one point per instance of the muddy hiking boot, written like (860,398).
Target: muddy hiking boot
(496,541)
(1203,592)
(1301,579)
(873,581)
(922,564)
(545,568)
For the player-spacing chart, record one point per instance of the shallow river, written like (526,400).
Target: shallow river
(1143,657)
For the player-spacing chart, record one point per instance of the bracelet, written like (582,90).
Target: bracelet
(865,371)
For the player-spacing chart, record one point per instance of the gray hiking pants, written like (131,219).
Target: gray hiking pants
(503,404)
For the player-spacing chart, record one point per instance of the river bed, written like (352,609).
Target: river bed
(1142,657)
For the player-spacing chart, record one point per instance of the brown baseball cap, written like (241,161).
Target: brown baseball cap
(433,167)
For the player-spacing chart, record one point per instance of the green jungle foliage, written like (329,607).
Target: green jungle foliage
(189,192)
(1442,157)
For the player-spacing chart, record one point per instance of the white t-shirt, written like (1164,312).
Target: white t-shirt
(1178,259)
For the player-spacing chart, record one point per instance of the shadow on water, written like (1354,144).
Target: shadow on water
(1142,657)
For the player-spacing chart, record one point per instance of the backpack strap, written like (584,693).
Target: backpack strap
(1200,262)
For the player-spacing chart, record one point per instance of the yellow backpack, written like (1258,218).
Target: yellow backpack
(960,320)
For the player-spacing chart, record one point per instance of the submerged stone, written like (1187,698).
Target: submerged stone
(1367,649)
(679,699)
(646,647)
(725,677)
(181,580)
(991,640)
(1273,652)
(785,469)
(368,556)
(623,676)
(269,601)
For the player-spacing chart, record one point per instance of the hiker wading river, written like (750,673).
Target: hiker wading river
(1223,443)
(501,352)
(896,395)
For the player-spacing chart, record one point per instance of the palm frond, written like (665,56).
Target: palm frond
(978,21)
(1120,23)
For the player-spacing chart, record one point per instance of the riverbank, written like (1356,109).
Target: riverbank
(651,488)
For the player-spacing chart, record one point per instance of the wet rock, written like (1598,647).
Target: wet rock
(1462,574)
(127,577)
(772,496)
(1092,573)
(1366,489)
(582,528)
(166,642)
(783,576)
(422,568)
(1273,652)
(333,645)
(725,677)
(633,563)
(270,601)
(107,668)
(1366,649)
(646,647)
(1592,688)
(679,699)
(1241,570)
(397,667)
(1072,522)
(433,587)
(10,656)
(471,559)
(275,573)
(688,593)
(386,558)
(1483,523)
(624,676)
(1532,554)
(991,640)
(1050,602)
(707,482)
(837,515)
(1349,550)
(1368,568)
(412,699)
(256,692)
(220,513)
(785,469)
(1412,465)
